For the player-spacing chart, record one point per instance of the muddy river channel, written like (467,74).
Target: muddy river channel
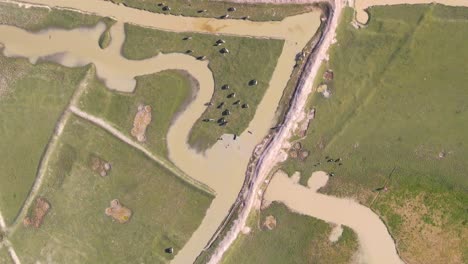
(223,166)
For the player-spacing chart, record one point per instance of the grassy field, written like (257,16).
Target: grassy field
(216,9)
(4,256)
(32,98)
(166,210)
(249,59)
(398,103)
(36,19)
(120,108)
(296,239)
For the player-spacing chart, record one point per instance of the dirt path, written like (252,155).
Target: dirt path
(46,156)
(2,222)
(109,128)
(12,252)
(228,157)
(274,153)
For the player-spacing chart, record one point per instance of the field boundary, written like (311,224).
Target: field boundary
(50,147)
(116,133)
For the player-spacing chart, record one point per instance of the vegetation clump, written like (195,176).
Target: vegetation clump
(270,222)
(118,212)
(40,210)
(100,166)
(141,122)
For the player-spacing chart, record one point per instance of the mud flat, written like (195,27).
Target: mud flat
(222,167)
(361,5)
(376,244)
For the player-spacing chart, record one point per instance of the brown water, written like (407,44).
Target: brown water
(223,166)
(376,244)
(361,5)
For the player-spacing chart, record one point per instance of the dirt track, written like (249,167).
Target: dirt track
(273,154)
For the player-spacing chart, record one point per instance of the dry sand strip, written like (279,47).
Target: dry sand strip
(361,5)
(376,244)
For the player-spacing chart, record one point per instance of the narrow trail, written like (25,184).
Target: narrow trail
(2,222)
(6,243)
(12,252)
(229,157)
(109,128)
(49,150)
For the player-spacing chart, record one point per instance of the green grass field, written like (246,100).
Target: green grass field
(4,256)
(249,58)
(166,210)
(216,9)
(35,19)
(154,89)
(32,98)
(296,239)
(398,102)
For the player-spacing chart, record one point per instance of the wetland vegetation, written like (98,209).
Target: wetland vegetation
(119,108)
(294,238)
(39,18)
(76,230)
(397,118)
(32,99)
(248,59)
(217,9)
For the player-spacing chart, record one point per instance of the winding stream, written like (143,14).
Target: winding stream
(376,244)
(223,166)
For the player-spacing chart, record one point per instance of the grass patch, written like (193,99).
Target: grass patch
(32,98)
(166,210)
(4,256)
(37,18)
(154,89)
(105,39)
(216,9)
(398,102)
(296,239)
(249,58)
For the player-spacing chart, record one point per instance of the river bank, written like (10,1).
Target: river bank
(205,168)
(376,244)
